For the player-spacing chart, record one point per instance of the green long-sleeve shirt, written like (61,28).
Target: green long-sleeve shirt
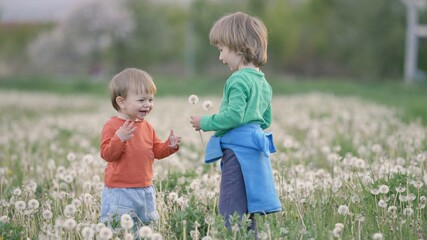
(246,99)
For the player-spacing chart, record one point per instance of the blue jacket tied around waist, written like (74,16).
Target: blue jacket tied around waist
(252,147)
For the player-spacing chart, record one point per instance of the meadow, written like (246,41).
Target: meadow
(346,167)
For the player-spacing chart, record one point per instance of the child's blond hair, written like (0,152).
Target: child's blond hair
(243,34)
(133,79)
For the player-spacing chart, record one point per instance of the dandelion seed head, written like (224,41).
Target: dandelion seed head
(375,191)
(88,158)
(70,210)
(71,156)
(172,196)
(126,221)
(382,203)
(4,219)
(88,233)
(377,236)
(17,192)
(367,180)
(207,105)
(33,204)
(68,178)
(400,189)
(69,224)
(408,211)
(128,236)
(343,210)
(47,214)
(355,199)
(392,209)
(339,225)
(76,202)
(105,233)
(157,236)
(31,186)
(193,99)
(383,189)
(99,226)
(20,205)
(145,232)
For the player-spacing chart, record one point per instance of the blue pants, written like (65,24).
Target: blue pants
(232,193)
(139,203)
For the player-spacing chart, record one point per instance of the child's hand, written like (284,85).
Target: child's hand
(195,122)
(174,140)
(126,131)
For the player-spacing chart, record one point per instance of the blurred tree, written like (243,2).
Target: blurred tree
(337,37)
(156,36)
(78,43)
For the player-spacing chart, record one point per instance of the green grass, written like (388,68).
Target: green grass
(411,98)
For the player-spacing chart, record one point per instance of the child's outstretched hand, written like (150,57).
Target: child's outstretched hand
(126,131)
(174,140)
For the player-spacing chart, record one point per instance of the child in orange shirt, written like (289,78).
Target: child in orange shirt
(129,144)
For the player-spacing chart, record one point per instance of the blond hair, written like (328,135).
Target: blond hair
(133,79)
(243,34)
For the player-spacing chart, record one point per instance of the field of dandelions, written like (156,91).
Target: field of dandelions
(344,168)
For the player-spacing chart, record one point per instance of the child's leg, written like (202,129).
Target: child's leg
(232,196)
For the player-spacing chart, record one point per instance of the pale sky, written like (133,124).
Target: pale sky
(34,10)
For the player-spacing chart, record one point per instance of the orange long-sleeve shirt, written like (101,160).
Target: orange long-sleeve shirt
(130,163)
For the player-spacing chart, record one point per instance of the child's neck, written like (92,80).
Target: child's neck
(126,117)
(249,65)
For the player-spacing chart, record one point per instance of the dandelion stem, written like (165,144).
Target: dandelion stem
(201,137)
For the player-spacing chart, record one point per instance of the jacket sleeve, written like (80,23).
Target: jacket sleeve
(267,118)
(232,115)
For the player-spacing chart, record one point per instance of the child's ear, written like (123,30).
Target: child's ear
(120,101)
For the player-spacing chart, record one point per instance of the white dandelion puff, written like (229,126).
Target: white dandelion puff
(47,214)
(105,233)
(4,219)
(20,205)
(375,191)
(33,204)
(126,221)
(207,105)
(17,192)
(400,189)
(382,203)
(172,196)
(69,224)
(88,233)
(70,210)
(343,210)
(128,236)
(383,189)
(408,211)
(193,99)
(145,232)
(377,236)
(157,236)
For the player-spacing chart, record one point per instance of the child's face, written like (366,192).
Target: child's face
(137,105)
(232,59)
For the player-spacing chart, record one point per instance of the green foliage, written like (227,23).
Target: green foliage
(11,232)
